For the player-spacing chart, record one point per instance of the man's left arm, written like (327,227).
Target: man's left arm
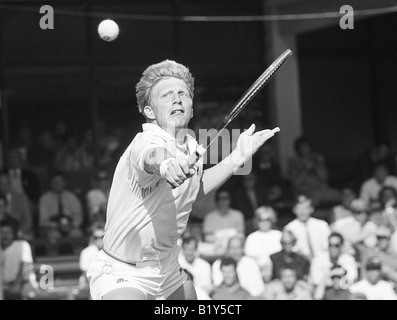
(248,143)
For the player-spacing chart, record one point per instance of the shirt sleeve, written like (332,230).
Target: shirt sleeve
(27,256)
(142,145)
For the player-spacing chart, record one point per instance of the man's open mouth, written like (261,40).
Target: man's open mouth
(177,112)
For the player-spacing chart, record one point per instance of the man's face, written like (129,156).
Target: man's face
(303,210)
(373,276)
(171,104)
(4,184)
(380,174)
(383,243)
(229,274)
(189,250)
(7,236)
(287,243)
(223,200)
(335,247)
(288,278)
(58,184)
(235,249)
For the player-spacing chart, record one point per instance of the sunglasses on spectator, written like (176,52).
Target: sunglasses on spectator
(336,245)
(265,219)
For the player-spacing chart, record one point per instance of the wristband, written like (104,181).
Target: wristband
(164,166)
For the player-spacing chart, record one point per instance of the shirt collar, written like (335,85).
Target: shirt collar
(161,132)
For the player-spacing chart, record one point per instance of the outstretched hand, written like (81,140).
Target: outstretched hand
(250,141)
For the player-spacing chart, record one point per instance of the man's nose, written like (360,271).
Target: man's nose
(176,98)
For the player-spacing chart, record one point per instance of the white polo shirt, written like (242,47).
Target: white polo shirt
(145,216)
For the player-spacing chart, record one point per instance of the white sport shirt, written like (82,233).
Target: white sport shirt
(145,216)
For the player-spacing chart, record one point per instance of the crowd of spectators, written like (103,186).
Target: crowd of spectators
(268,236)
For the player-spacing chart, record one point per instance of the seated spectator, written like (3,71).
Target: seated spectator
(372,286)
(385,209)
(334,286)
(89,253)
(322,265)
(356,229)
(60,209)
(343,210)
(308,174)
(17,207)
(288,287)
(17,263)
(200,292)
(382,250)
(265,241)
(269,173)
(311,233)
(380,151)
(199,268)
(229,288)
(97,198)
(248,270)
(247,197)
(21,179)
(287,257)
(221,224)
(370,188)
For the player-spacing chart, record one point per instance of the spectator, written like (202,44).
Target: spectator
(17,262)
(248,270)
(17,207)
(266,240)
(370,188)
(385,210)
(372,286)
(382,250)
(322,265)
(89,253)
(221,224)
(230,288)
(356,229)
(247,197)
(42,155)
(288,258)
(60,208)
(67,158)
(199,268)
(334,286)
(97,198)
(311,233)
(22,180)
(86,151)
(269,173)
(288,287)
(343,210)
(380,151)
(308,174)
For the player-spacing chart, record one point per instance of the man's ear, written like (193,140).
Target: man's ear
(148,111)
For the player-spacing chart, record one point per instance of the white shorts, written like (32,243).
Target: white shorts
(106,274)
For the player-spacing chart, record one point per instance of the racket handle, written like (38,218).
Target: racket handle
(194,157)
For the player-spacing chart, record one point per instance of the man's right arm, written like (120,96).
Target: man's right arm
(160,161)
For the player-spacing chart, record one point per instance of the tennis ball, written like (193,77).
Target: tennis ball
(108,30)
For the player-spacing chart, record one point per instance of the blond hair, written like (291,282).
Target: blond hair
(154,73)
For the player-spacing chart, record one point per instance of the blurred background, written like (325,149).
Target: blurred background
(68,105)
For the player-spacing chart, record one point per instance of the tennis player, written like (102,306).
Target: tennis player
(153,191)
